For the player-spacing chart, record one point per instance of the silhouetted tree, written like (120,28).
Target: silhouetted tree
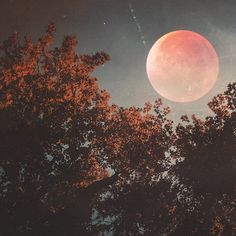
(207,175)
(51,111)
(138,146)
(195,196)
(73,164)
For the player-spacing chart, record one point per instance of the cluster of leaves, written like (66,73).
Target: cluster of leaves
(51,110)
(195,195)
(71,163)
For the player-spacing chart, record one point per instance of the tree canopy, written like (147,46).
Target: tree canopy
(72,163)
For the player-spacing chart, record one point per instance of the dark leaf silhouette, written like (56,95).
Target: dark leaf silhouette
(72,163)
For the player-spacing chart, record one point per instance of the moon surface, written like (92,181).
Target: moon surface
(182,66)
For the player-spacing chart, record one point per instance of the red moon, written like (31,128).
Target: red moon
(182,66)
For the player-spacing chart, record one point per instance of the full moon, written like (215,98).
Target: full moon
(182,66)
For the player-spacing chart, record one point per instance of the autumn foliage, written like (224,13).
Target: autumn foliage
(72,163)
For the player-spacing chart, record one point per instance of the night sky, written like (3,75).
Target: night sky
(126,30)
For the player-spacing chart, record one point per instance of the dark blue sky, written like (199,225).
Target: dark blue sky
(109,25)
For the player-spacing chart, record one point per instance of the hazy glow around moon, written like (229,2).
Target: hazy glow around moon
(182,66)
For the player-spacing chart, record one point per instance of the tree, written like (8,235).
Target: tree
(195,196)
(73,164)
(51,113)
(206,175)
(137,146)
(59,136)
